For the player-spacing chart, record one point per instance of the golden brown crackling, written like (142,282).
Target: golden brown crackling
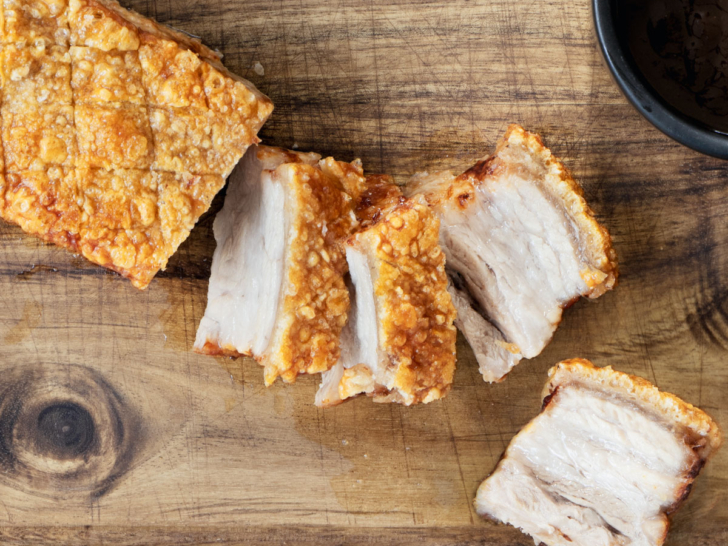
(316,300)
(129,221)
(164,209)
(28,22)
(39,137)
(150,26)
(43,203)
(122,199)
(416,312)
(211,348)
(179,72)
(636,389)
(380,193)
(271,157)
(183,198)
(349,175)
(35,75)
(114,135)
(3,183)
(96,24)
(197,142)
(132,231)
(106,76)
(357,380)
(148,222)
(106,25)
(119,226)
(172,74)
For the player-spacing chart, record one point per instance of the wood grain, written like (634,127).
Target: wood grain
(194,450)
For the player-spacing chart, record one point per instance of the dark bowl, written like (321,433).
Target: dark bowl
(670,121)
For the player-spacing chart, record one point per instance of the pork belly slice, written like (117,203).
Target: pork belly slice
(277,288)
(521,245)
(603,464)
(399,343)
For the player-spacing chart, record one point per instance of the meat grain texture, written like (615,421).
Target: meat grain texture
(117,132)
(521,244)
(603,464)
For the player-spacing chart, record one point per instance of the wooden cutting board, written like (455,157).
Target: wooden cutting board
(187,449)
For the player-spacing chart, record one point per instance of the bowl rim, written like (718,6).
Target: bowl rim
(679,127)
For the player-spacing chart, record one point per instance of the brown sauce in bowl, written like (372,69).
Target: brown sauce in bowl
(681,48)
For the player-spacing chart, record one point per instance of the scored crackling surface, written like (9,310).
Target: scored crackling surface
(115,137)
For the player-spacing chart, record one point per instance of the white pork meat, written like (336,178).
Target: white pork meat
(605,461)
(521,244)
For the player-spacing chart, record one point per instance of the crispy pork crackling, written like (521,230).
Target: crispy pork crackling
(399,342)
(117,132)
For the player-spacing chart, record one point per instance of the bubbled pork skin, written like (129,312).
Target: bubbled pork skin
(117,132)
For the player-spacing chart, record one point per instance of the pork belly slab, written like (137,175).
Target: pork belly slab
(521,244)
(399,343)
(117,132)
(277,289)
(603,464)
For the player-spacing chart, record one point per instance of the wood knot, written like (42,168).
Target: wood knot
(709,322)
(63,431)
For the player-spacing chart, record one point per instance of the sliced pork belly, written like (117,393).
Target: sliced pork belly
(496,357)
(399,343)
(523,243)
(605,461)
(277,288)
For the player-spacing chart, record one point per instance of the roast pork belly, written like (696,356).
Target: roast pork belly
(117,132)
(603,464)
(521,245)
(277,289)
(399,343)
